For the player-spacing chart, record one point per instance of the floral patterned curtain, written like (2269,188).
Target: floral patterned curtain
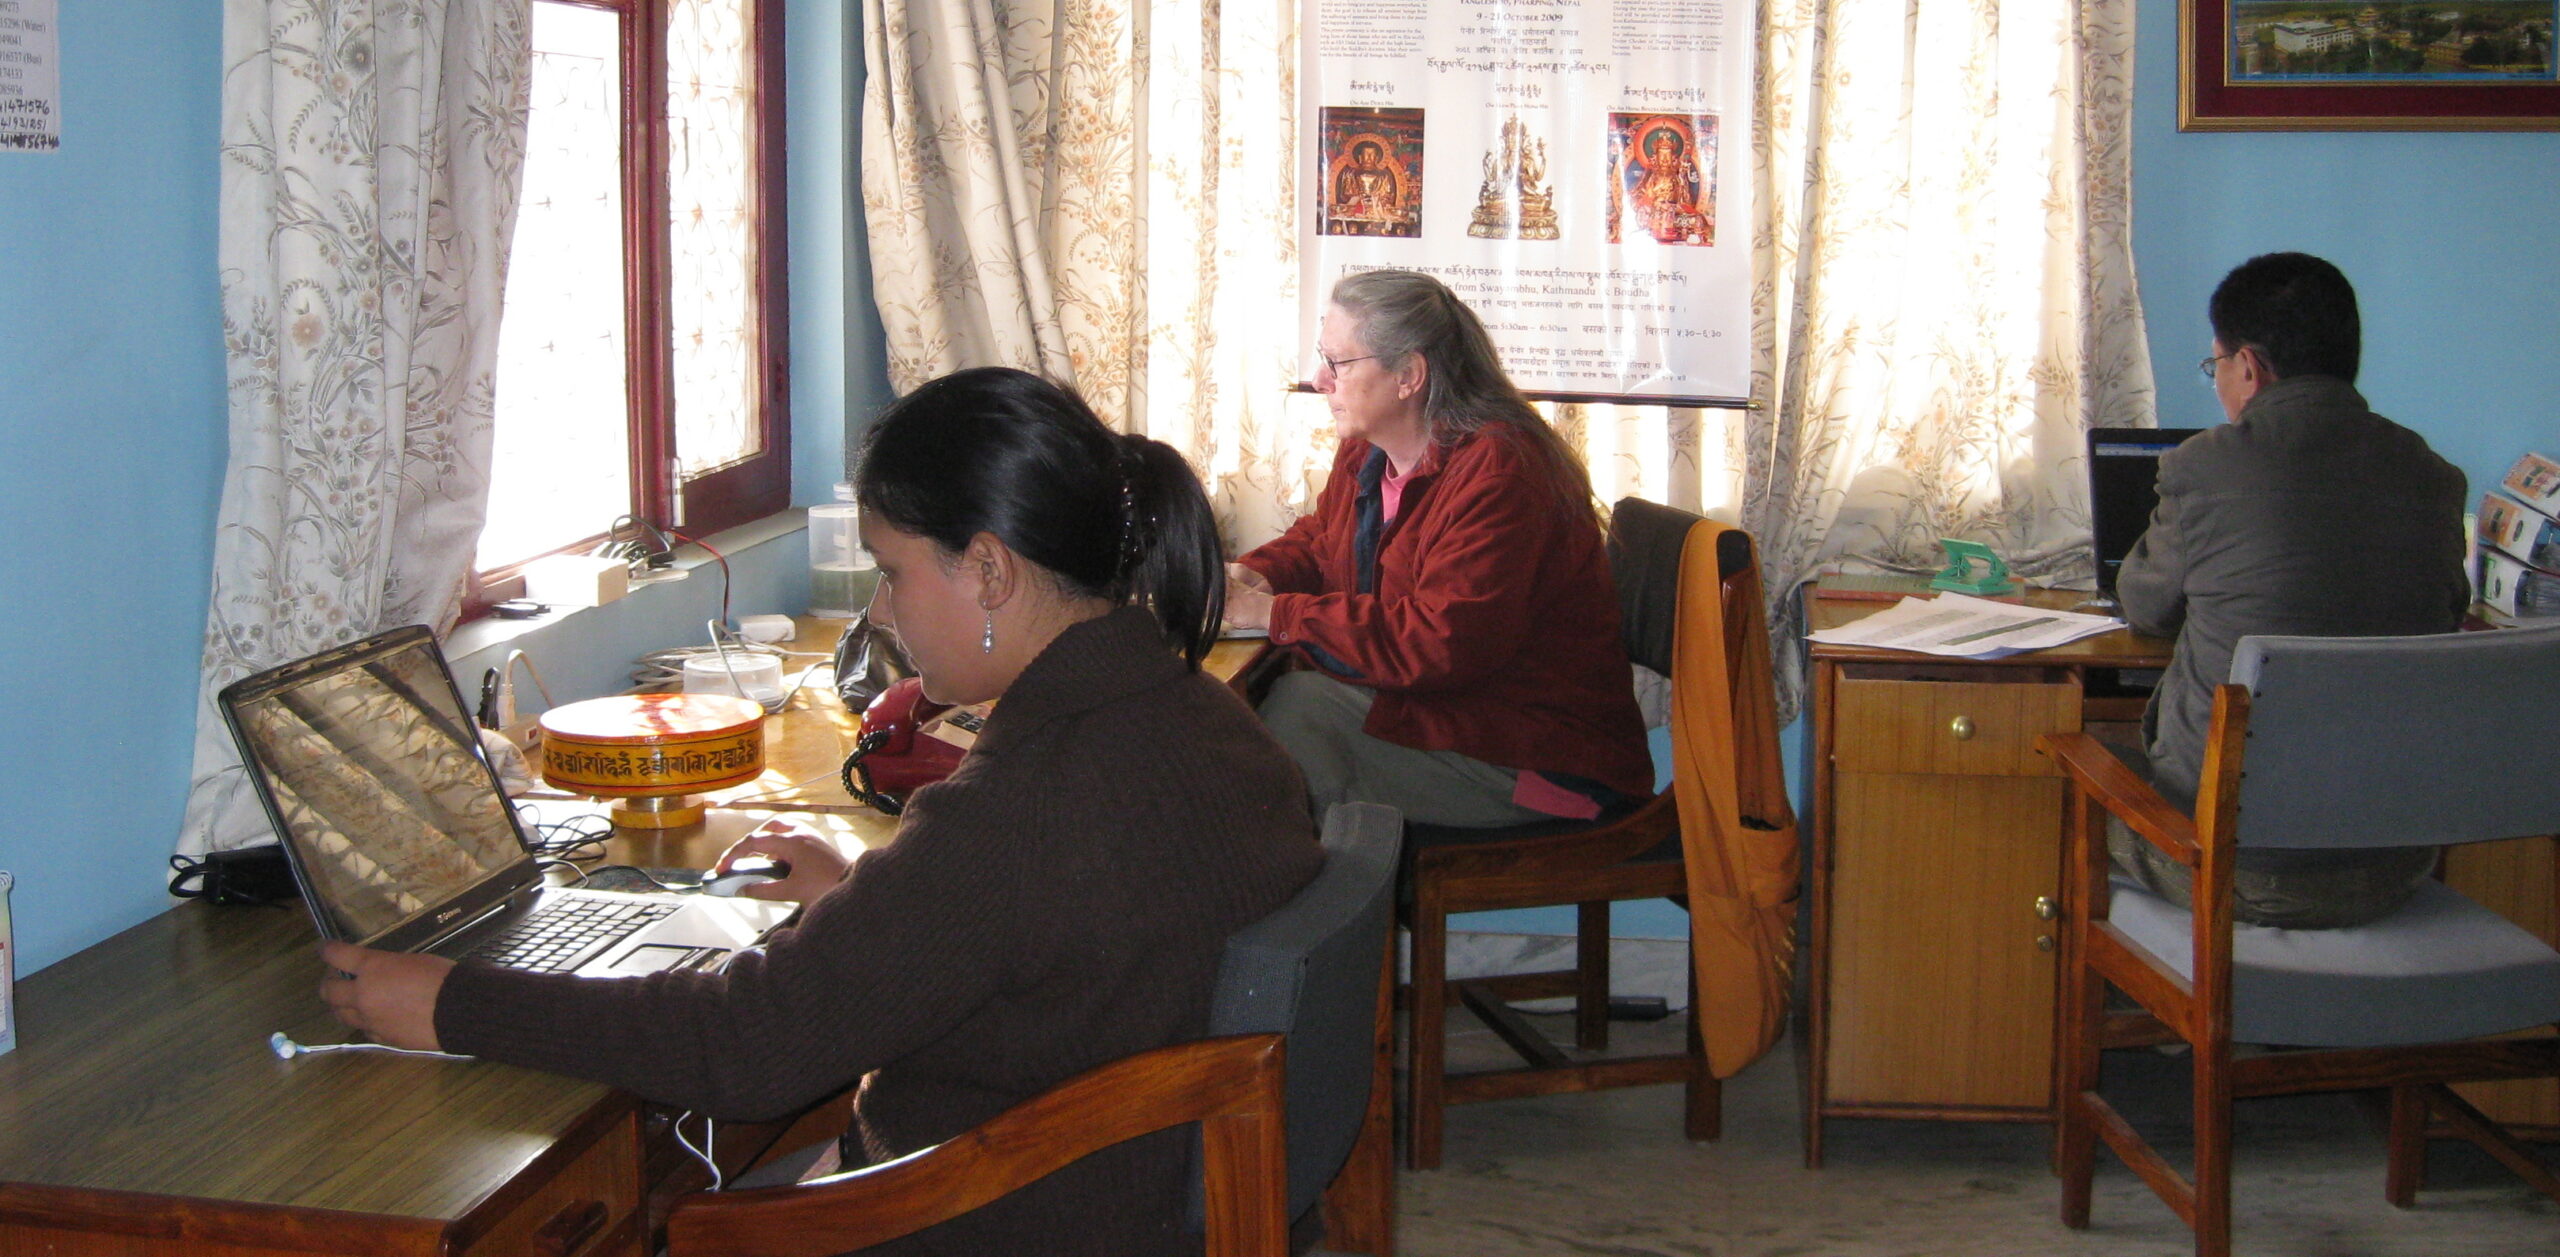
(1101,191)
(372,153)
(1943,272)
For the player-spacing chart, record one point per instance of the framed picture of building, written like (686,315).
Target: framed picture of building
(2368,65)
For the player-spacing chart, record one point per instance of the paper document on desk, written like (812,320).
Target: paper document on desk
(1967,628)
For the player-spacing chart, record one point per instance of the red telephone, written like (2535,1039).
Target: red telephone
(907,741)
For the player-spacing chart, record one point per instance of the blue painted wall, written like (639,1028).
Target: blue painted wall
(112,420)
(111,454)
(2448,238)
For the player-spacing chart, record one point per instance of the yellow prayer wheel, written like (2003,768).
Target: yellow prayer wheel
(652,752)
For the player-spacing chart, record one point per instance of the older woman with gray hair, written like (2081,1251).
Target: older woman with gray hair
(1451,589)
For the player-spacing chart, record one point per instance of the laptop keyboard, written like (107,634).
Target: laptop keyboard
(562,936)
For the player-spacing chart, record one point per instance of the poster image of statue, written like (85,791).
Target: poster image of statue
(1372,184)
(1515,202)
(1662,178)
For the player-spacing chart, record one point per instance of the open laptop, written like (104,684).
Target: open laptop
(401,838)
(2124,488)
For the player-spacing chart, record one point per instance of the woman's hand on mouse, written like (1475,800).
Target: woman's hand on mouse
(816,865)
(386,996)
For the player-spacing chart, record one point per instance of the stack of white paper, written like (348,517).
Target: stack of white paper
(1968,628)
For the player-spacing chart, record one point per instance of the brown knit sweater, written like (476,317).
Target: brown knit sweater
(1059,903)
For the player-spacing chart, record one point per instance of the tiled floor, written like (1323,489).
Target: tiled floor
(1610,1174)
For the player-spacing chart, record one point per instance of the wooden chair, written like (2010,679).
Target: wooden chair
(1233,1087)
(1313,975)
(2348,742)
(1724,726)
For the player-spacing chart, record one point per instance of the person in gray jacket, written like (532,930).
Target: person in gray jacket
(2307,513)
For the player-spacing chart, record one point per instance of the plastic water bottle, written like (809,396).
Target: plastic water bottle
(841,573)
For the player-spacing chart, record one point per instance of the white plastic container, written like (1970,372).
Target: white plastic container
(841,574)
(751,675)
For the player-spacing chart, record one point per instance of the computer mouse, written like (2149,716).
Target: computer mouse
(745,871)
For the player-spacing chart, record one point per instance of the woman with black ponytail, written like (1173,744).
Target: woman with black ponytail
(1060,901)
(989,468)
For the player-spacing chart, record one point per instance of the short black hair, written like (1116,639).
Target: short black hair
(2299,312)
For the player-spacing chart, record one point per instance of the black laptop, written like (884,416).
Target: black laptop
(401,838)
(2124,488)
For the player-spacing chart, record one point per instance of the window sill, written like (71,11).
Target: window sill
(491,631)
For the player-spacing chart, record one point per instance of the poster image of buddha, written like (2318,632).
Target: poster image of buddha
(1662,178)
(1372,180)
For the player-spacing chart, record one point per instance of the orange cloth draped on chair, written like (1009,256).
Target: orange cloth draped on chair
(1738,832)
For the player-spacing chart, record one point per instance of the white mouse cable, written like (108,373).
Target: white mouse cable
(286,1049)
(703,1153)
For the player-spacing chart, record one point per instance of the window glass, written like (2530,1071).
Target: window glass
(561,470)
(711,237)
(639,356)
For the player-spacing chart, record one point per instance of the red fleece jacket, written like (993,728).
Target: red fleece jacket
(1493,627)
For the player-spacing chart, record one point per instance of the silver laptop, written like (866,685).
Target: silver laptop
(401,838)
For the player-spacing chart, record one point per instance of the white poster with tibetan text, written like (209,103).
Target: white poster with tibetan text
(1579,171)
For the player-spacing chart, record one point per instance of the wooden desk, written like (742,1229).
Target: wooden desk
(1933,969)
(1936,835)
(143,1112)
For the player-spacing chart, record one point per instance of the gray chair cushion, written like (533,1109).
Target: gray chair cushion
(1310,971)
(2441,968)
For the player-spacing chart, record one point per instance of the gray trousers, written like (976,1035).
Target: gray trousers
(2289,888)
(1318,719)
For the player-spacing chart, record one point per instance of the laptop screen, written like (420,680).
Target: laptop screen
(394,822)
(2124,488)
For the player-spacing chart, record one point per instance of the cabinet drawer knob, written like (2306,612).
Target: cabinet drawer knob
(2046,909)
(2044,942)
(1962,727)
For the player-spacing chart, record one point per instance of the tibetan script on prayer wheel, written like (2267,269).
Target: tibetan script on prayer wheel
(652,744)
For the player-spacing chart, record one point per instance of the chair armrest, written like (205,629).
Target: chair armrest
(1233,1086)
(2096,772)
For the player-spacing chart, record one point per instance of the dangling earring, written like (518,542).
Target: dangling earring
(987,643)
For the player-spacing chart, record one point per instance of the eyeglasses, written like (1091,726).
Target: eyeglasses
(1335,365)
(2213,362)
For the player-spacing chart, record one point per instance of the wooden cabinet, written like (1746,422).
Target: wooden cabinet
(1941,816)
(1936,856)
(2514,878)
